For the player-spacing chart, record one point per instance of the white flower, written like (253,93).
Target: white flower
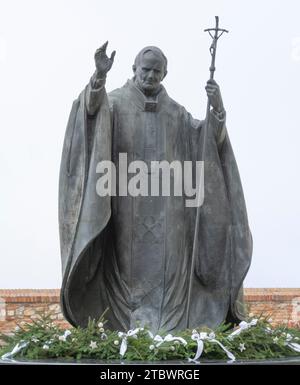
(151,347)
(275,339)
(100,325)
(93,345)
(45,347)
(34,340)
(67,333)
(172,348)
(270,320)
(101,330)
(242,347)
(62,338)
(194,331)
(116,342)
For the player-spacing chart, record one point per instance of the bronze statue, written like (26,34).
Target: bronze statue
(132,254)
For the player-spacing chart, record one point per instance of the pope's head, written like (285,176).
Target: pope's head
(150,67)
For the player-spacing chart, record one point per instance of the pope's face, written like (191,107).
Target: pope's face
(149,73)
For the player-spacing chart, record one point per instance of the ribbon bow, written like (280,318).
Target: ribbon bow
(168,338)
(292,345)
(130,333)
(242,326)
(200,345)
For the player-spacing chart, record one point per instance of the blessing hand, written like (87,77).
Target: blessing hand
(102,61)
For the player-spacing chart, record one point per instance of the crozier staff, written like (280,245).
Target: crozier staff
(215,100)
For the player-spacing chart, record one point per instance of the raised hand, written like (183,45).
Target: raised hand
(214,95)
(102,61)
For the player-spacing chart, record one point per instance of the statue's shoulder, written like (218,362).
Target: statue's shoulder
(173,105)
(115,93)
(115,97)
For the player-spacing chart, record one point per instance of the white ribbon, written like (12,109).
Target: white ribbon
(200,345)
(293,346)
(65,335)
(157,338)
(16,349)
(242,326)
(168,338)
(228,353)
(130,333)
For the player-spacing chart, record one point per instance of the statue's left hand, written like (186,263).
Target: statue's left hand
(214,95)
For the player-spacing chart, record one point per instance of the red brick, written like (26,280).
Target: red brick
(276,303)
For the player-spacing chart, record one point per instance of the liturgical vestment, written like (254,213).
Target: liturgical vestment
(132,254)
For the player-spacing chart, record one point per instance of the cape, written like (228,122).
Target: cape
(224,250)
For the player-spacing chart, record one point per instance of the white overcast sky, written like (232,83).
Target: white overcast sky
(46,58)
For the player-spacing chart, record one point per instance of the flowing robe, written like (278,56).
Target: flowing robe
(132,254)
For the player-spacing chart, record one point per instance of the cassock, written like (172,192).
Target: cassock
(131,255)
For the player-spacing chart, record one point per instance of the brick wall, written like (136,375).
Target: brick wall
(23,305)
(283,305)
